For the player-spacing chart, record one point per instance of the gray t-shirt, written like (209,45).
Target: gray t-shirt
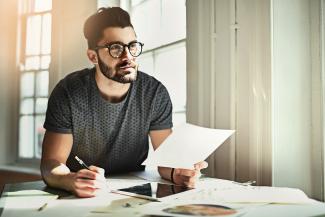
(113,136)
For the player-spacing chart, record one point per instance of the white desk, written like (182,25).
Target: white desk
(110,204)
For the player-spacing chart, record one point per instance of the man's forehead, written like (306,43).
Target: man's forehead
(118,34)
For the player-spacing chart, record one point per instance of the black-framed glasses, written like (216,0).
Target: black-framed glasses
(116,49)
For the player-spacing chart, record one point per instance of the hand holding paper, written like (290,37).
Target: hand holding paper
(186,146)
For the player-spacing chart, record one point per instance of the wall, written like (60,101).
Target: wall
(254,66)
(291,88)
(317,148)
(252,91)
(208,77)
(69,46)
(8,76)
(228,66)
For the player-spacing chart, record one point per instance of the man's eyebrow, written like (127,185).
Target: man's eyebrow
(133,41)
(119,42)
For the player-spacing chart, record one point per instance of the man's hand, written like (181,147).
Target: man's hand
(189,177)
(87,183)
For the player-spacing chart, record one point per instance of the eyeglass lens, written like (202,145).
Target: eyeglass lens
(135,49)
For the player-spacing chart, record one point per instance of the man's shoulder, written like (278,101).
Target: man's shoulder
(150,85)
(80,76)
(73,84)
(76,80)
(146,80)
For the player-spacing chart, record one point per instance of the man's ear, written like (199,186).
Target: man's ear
(92,56)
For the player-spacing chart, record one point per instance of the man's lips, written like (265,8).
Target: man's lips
(125,67)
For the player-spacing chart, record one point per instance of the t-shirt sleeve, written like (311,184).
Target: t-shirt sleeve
(161,116)
(58,114)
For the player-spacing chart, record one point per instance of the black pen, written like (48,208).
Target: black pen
(81,162)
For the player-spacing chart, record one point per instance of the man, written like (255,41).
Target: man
(104,115)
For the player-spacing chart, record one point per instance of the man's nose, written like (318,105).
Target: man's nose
(126,55)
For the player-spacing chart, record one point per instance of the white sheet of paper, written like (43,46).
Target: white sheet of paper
(265,194)
(25,203)
(187,145)
(31,199)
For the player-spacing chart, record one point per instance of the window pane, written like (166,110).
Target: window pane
(41,104)
(39,135)
(171,71)
(32,63)
(21,67)
(148,29)
(146,63)
(45,62)
(27,85)
(167,21)
(42,5)
(42,83)
(136,2)
(173,20)
(27,106)
(23,6)
(33,35)
(26,137)
(46,34)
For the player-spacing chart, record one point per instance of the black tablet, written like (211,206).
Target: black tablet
(153,191)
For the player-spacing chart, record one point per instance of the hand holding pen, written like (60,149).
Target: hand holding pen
(87,182)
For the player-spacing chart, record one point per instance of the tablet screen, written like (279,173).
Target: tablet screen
(156,190)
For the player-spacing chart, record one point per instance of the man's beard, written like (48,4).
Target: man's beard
(120,76)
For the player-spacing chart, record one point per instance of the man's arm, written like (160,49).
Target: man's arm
(180,176)
(157,137)
(55,151)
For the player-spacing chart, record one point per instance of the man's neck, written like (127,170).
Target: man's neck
(111,90)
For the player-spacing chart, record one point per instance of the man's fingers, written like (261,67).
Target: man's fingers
(185,172)
(85,192)
(188,173)
(201,165)
(190,183)
(88,183)
(87,174)
(98,170)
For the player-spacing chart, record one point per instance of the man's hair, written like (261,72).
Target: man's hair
(102,19)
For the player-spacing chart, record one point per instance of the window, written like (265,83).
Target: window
(161,26)
(34,49)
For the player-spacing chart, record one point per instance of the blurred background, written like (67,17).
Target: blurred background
(255,66)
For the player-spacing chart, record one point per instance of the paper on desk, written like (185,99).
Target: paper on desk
(25,203)
(32,199)
(264,194)
(187,145)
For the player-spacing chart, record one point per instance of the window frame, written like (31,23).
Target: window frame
(25,11)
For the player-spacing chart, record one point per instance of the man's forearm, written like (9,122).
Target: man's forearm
(56,174)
